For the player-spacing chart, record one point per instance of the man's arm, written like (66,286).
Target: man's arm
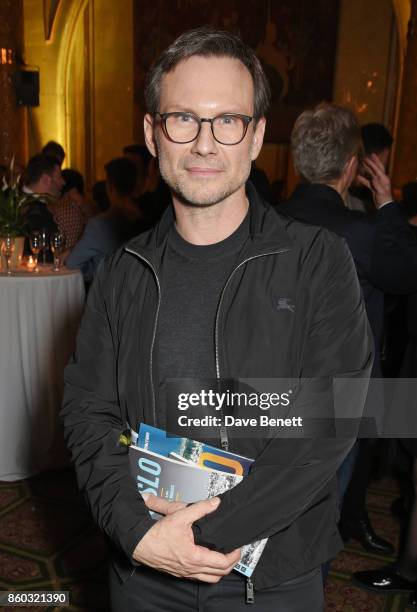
(93,422)
(290,474)
(393,262)
(89,247)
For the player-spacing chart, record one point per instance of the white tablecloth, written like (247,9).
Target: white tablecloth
(39,316)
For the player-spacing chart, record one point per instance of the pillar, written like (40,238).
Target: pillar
(12,118)
(405,163)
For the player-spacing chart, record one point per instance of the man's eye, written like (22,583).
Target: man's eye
(184,118)
(227,120)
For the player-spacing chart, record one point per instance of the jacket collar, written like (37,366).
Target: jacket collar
(318,191)
(266,231)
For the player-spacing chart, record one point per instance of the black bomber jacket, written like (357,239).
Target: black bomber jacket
(290,492)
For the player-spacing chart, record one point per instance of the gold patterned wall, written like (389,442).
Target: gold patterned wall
(12,124)
(84,50)
(366,32)
(86,75)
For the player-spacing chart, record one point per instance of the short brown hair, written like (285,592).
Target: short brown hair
(121,173)
(322,142)
(207,42)
(37,166)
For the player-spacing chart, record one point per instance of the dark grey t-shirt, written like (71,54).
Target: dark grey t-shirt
(192,279)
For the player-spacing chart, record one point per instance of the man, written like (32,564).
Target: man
(202,295)
(43,176)
(42,185)
(152,195)
(377,141)
(105,232)
(325,144)
(141,157)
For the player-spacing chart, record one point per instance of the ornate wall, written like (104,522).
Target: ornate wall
(86,75)
(85,52)
(13,120)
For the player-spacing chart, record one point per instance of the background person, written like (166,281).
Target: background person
(326,145)
(108,230)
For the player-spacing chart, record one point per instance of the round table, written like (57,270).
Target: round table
(39,317)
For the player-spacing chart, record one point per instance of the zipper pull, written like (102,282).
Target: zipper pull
(250,594)
(224,438)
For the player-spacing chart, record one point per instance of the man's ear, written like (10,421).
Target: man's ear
(258,138)
(149,131)
(350,170)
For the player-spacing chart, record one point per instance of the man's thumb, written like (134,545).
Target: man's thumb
(201,508)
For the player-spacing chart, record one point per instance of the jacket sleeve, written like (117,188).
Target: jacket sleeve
(288,476)
(93,422)
(394,252)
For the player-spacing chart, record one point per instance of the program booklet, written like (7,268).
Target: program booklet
(173,475)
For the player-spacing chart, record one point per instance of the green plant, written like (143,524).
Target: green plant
(12,206)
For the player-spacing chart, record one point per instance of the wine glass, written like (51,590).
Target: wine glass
(57,246)
(35,241)
(44,244)
(7,248)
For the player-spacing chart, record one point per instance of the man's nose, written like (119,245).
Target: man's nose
(205,143)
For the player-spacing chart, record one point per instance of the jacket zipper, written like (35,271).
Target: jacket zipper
(250,593)
(224,440)
(154,329)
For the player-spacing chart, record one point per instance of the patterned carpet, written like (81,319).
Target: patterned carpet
(48,542)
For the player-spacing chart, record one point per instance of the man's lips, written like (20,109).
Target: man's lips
(203,171)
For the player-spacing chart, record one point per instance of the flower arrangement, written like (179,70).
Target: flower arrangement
(12,205)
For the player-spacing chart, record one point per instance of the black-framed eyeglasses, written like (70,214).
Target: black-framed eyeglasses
(183,127)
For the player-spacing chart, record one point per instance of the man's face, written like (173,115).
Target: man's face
(55,182)
(205,172)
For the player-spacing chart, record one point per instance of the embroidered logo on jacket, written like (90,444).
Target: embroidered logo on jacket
(283,303)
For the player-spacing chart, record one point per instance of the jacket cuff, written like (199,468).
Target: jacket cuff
(198,539)
(389,208)
(131,538)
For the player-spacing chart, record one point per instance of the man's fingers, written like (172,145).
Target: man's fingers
(163,506)
(374,166)
(194,511)
(234,556)
(377,162)
(200,509)
(210,560)
(363,181)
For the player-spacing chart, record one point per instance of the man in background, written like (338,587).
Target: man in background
(376,141)
(55,150)
(326,147)
(105,232)
(152,193)
(42,184)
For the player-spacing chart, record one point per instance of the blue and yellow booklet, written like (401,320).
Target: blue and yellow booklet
(180,469)
(204,455)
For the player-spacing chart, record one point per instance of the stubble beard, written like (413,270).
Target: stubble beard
(199,196)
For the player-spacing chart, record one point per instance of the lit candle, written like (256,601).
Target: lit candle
(31,264)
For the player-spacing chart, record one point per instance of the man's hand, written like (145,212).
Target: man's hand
(376,180)
(169,545)
(161,505)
